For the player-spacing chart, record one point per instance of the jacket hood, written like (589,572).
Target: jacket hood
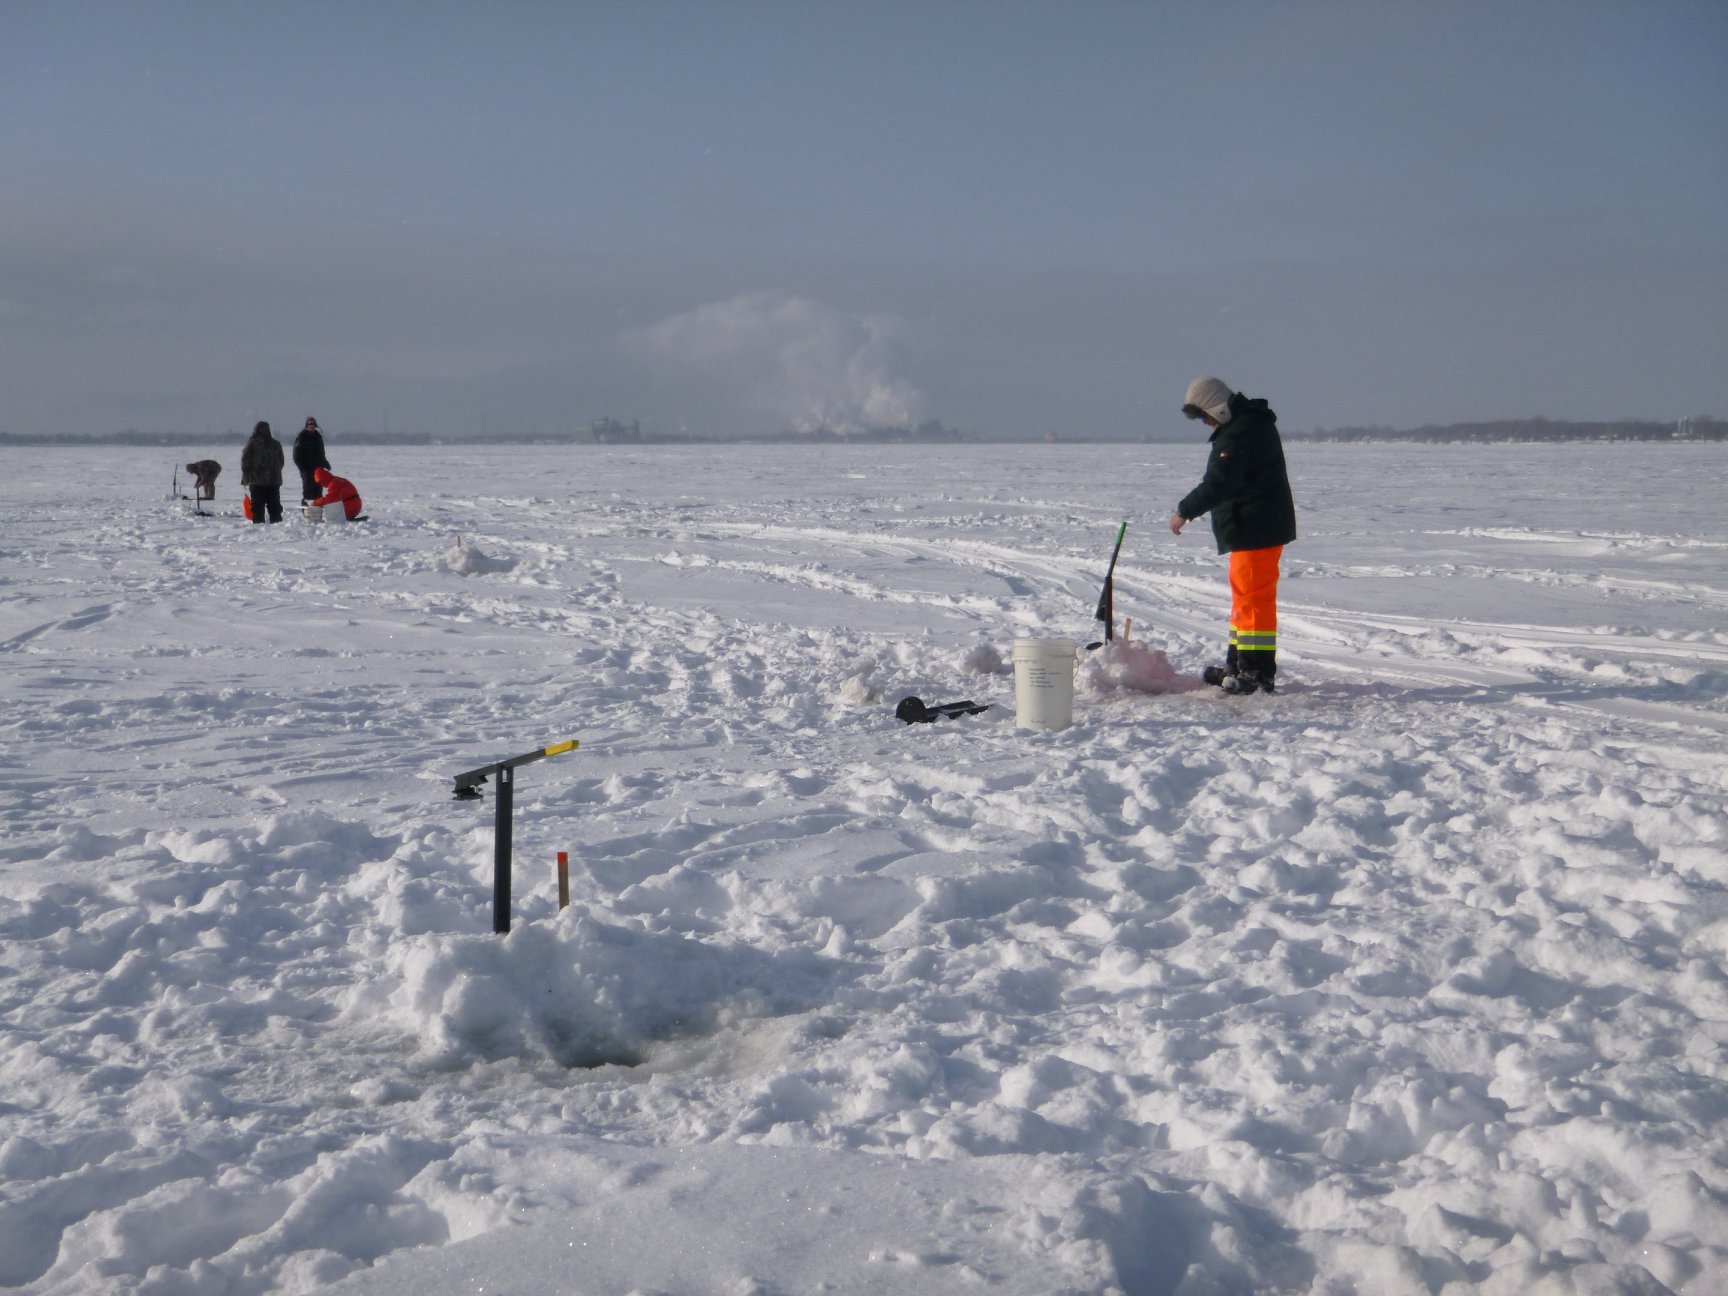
(321,475)
(1210,396)
(1240,405)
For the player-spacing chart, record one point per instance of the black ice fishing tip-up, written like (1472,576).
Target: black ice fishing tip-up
(913,710)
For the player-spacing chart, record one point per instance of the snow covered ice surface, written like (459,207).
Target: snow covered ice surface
(1407,979)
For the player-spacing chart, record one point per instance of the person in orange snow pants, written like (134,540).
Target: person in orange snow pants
(1246,489)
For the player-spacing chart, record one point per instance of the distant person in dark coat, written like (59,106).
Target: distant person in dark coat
(309,456)
(204,474)
(1247,491)
(261,464)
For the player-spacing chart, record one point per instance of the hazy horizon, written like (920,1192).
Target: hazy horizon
(732,219)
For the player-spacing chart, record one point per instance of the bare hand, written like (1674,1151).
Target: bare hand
(1177,522)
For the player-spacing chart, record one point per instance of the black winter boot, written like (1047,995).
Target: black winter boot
(1217,675)
(1262,663)
(1248,681)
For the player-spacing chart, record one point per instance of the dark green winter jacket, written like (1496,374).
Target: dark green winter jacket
(1246,489)
(261,461)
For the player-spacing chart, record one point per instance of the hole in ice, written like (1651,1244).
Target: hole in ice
(585,995)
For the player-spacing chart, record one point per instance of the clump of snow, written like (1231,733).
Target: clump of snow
(984,659)
(861,687)
(857,690)
(465,558)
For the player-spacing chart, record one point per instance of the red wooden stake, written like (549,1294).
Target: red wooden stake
(563,879)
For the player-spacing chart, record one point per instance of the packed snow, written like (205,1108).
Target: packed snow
(1411,978)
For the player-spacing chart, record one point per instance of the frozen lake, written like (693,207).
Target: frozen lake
(1412,978)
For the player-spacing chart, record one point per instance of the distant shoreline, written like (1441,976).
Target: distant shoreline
(1537,430)
(1512,430)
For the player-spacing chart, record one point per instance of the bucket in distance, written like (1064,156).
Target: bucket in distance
(1043,683)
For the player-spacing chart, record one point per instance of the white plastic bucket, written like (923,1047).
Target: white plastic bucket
(312,512)
(1043,683)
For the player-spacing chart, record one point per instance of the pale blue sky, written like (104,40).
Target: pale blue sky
(1014,217)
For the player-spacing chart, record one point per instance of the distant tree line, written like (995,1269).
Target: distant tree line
(928,431)
(617,432)
(1532,429)
(134,438)
(607,431)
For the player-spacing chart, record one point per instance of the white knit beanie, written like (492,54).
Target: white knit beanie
(1211,395)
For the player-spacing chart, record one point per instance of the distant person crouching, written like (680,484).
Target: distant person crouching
(337,490)
(204,474)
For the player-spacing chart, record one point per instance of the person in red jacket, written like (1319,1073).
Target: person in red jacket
(337,490)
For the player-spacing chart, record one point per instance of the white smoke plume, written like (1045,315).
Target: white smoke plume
(805,363)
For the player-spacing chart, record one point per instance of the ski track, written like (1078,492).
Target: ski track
(1408,979)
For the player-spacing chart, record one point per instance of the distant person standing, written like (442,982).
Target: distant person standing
(1246,489)
(261,464)
(309,456)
